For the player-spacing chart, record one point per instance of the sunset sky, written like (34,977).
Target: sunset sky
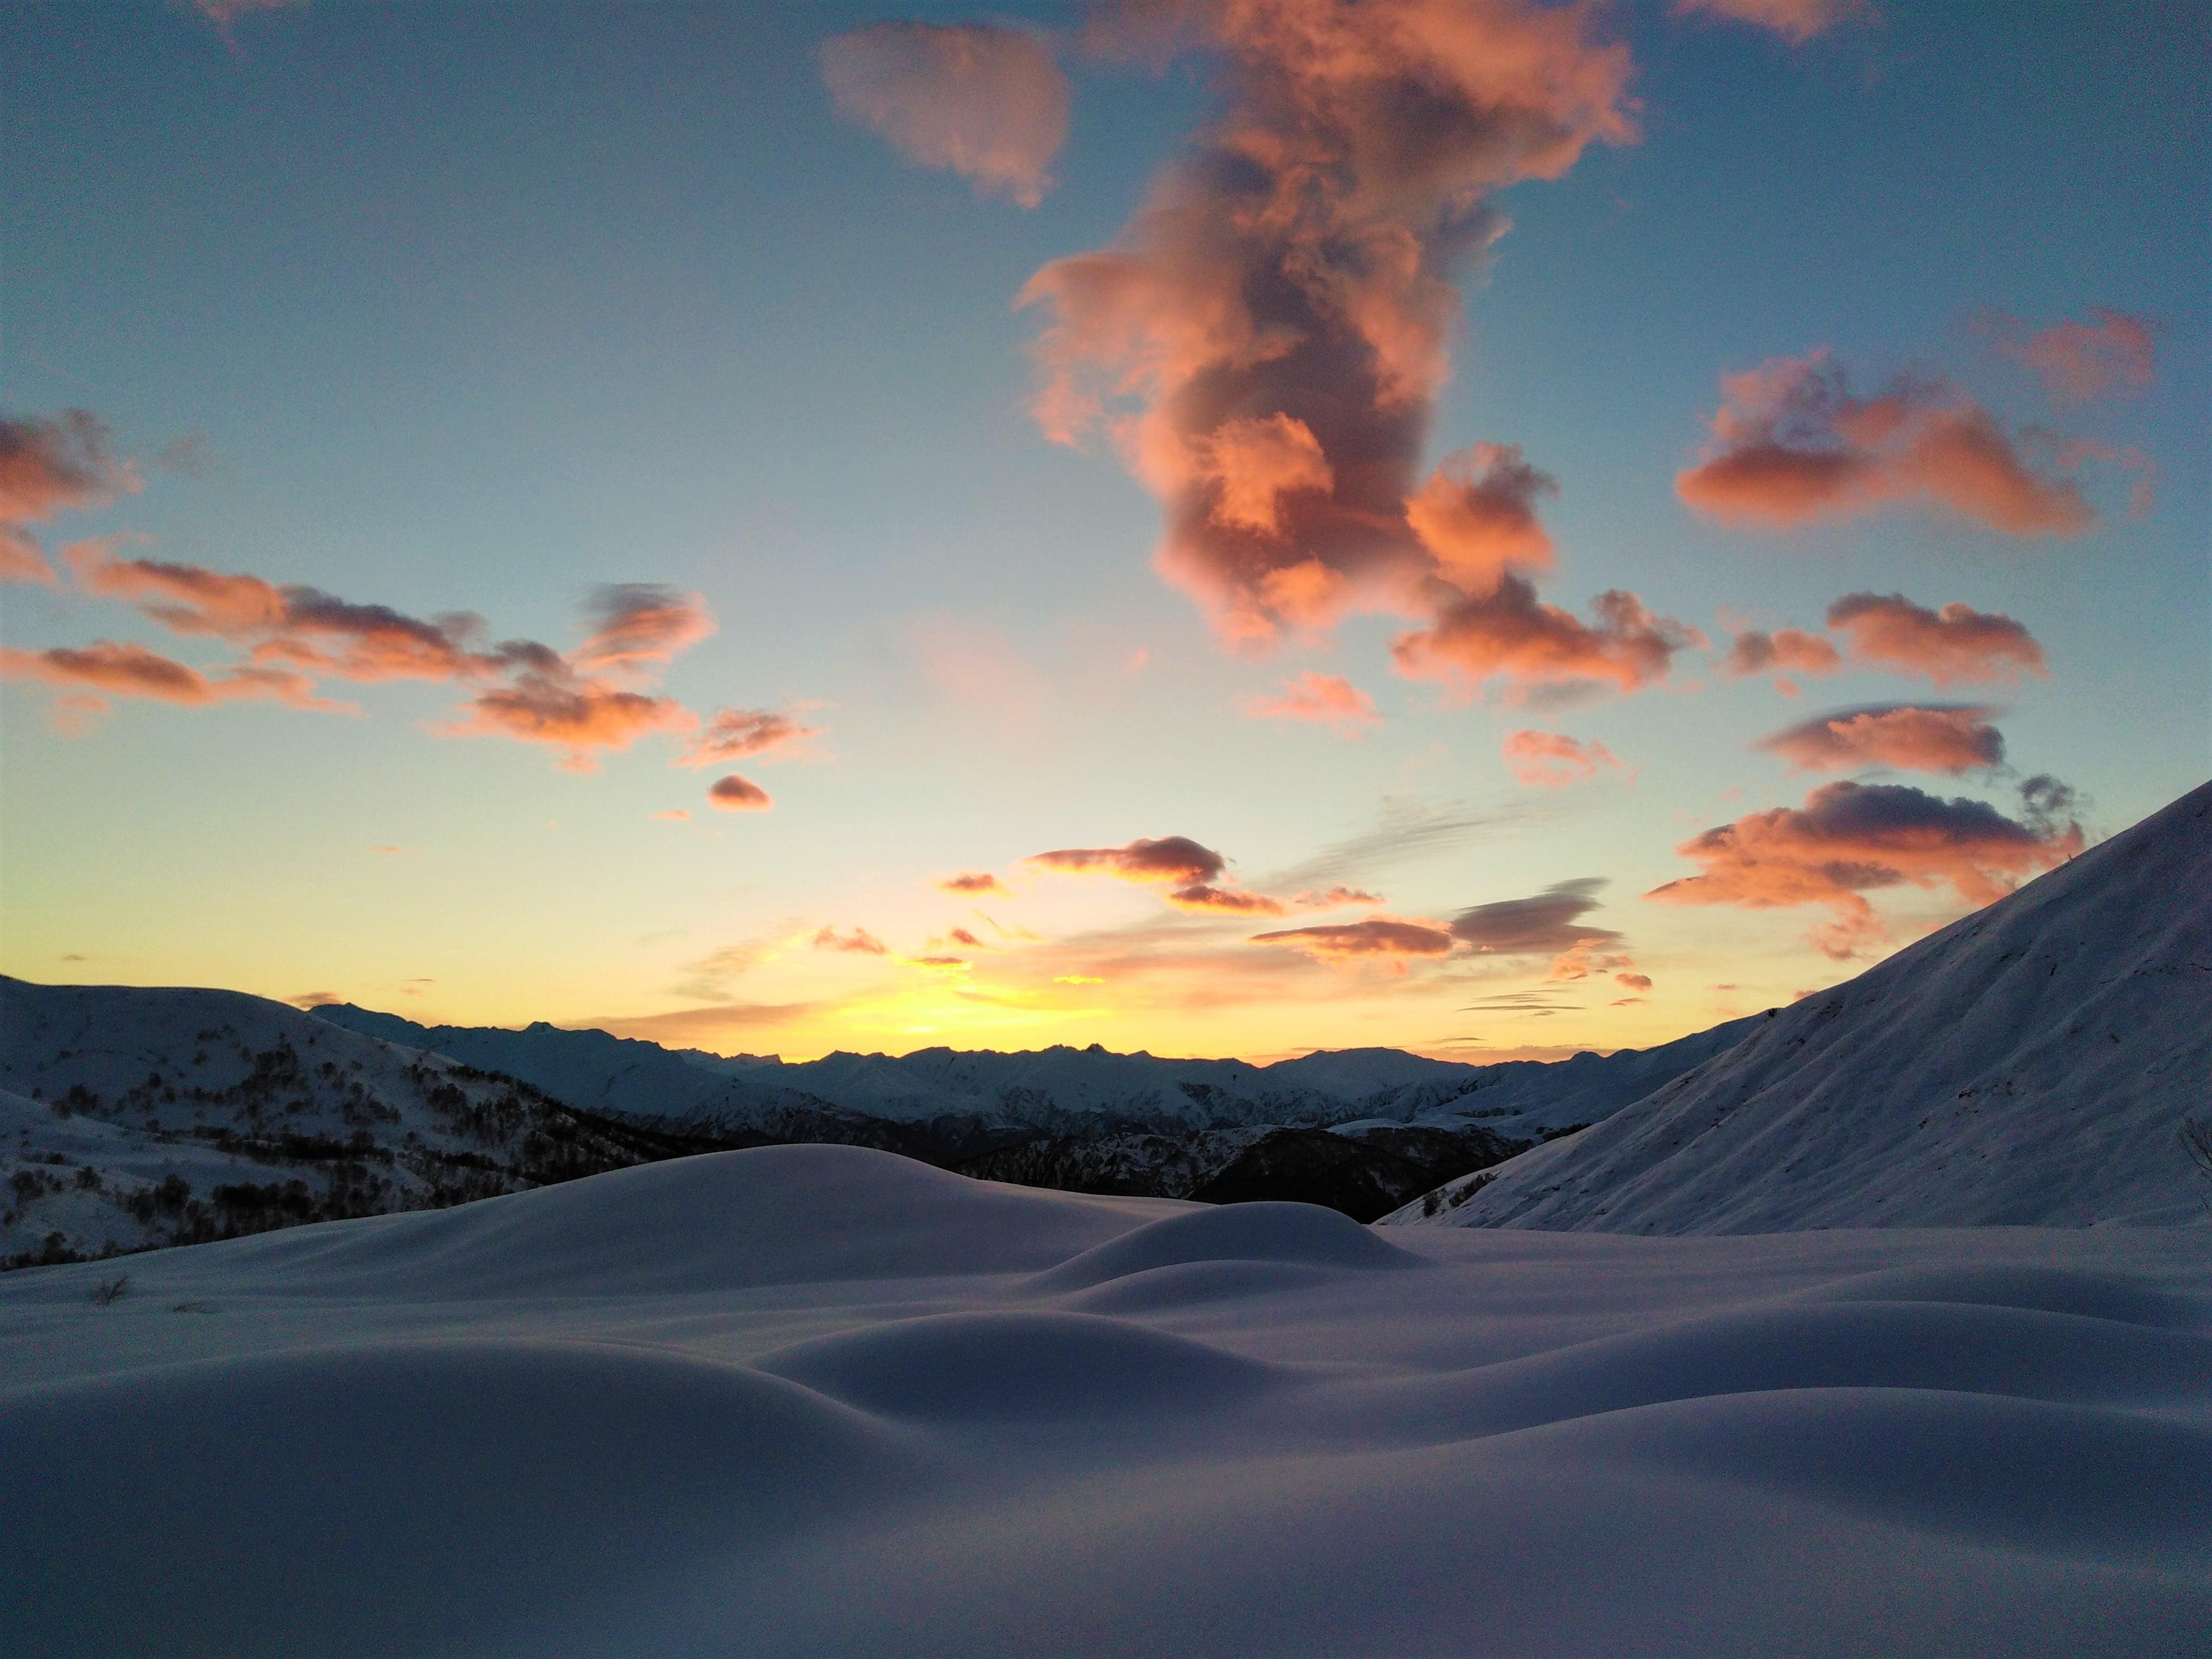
(1215,526)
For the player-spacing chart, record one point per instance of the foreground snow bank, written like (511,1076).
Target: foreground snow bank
(816,1400)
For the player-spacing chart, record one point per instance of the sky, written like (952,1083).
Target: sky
(1212,526)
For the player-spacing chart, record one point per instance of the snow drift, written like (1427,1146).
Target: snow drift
(811,1400)
(2029,1065)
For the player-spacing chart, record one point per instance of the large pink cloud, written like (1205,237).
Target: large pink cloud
(1792,445)
(1951,645)
(1508,633)
(987,102)
(1265,341)
(1849,839)
(1951,738)
(50,466)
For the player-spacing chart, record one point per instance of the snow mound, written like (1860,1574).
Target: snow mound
(2029,1065)
(1296,1233)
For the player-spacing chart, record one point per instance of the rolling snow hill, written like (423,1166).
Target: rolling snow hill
(131,1119)
(2029,1065)
(817,1400)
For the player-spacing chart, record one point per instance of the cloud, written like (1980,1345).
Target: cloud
(1477,516)
(709,977)
(107,669)
(686,1026)
(1328,700)
(223,13)
(1950,738)
(1189,872)
(596,698)
(316,999)
(50,466)
(1265,341)
(1383,939)
(1551,760)
(987,103)
(1795,20)
(1510,632)
(1791,446)
(2078,361)
(1793,650)
(734,735)
(1544,924)
(1956,644)
(972,882)
(1850,839)
(858,941)
(674,814)
(737,794)
(1174,859)
(1407,830)
(1335,898)
(637,624)
(1633,981)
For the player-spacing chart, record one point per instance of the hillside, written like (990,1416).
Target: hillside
(133,1118)
(2029,1065)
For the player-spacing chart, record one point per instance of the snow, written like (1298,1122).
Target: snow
(2029,1065)
(809,1399)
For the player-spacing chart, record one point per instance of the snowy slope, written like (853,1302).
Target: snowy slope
(131,1118)
(2028,1065)
(815,1401)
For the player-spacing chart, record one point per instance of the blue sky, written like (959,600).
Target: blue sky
(481,309)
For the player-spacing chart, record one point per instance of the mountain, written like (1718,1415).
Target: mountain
(131,1119)
(2029,1065)
(981,1096)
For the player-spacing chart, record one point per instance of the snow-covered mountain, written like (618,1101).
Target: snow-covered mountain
(2029,1065)
(132,1118)
(1061,1091)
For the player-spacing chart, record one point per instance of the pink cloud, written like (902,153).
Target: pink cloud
(105,669)
(971,882)
(1510,632)
(1950,738)
(1550,760)
(1790,649)
(1792,445)
(50,466)
(1795,20)
(1328,700)
(857,941)
(734,735)
(1954,645)
(1386,940)
(1191,873)
(986,102)
(1264,342)
(1849,839)
(2078,361)
(737,794)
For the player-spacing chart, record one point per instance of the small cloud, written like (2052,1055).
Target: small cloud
(735,734)
(737,794)
(1335,898)
(1551,760)
(986,102)
(1795,20)
(2079,362)
(1633,981)
(315,1000)
(388,850)
(1327,700)
(972,882)
(855,941)
(1078,979)
(673,815)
